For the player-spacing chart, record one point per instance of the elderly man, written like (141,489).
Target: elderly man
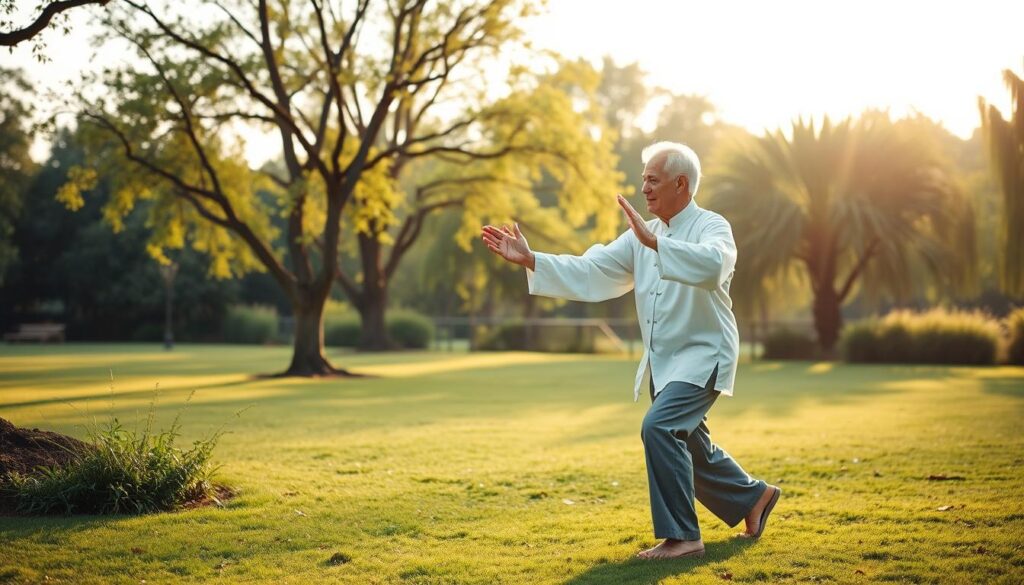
(680,265)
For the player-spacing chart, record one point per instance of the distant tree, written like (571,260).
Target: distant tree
(16,168)
(1006,151)
(73,268)
(10,37)
(863,202)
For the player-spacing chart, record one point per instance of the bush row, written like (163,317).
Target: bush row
(933,337)
(408,329)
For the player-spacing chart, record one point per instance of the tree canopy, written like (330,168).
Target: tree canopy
(866,202)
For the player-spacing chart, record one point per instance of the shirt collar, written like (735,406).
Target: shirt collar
(683,216)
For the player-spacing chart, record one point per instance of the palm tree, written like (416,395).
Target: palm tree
(866,202)
(1006,152)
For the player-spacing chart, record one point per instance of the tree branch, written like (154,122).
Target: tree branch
(12,38)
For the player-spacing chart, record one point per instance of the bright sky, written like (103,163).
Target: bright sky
(762,63)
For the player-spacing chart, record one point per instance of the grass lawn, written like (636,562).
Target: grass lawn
(527,468)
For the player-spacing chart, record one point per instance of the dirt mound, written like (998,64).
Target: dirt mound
(23,450)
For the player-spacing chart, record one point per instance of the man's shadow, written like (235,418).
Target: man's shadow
(635,571)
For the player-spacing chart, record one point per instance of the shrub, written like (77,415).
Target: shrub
(933,337)
(1015,326)
(127,473)
(342,330)
(785,344)
(409,329)
(553,338)
(254,324)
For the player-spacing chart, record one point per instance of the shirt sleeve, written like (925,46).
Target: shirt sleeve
(705,264)
(601,273)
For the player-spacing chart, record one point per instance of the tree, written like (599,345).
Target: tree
(71,267)
(16,168)
(537,161)
(351,95)
(47,12)
(863,202)
(1006,151)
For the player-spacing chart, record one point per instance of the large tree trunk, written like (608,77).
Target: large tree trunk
(827,318)
(308,349)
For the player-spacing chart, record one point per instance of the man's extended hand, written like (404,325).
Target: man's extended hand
(510,245)
(636,223)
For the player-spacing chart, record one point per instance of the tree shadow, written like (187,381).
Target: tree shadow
(636,571)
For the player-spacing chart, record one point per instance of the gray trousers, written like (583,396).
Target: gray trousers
(682,462)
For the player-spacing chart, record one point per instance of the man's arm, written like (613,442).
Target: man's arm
(706,263)
(601,273)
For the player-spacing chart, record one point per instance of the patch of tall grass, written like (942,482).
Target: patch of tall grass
(129,471)
(1015,344)
(937,336)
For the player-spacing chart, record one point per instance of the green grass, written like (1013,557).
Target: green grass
(457,468)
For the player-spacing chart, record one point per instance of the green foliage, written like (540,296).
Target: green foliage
(16,167)
(256,324)
(406,328)
(409,329)
(342,330)
(786,344)
(103,285)
(1015,326)
(128,472)
(934,337)
(552,338)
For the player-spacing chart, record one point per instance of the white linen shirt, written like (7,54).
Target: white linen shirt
(682,294)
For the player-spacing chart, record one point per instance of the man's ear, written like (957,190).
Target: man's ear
(683,182)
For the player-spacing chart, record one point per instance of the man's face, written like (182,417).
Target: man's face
(665,195)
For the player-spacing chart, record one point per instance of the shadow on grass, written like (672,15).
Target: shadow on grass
(1005,387)
(109,396)
(643,572)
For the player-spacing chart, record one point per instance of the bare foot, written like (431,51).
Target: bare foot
(753,519)
(671,548)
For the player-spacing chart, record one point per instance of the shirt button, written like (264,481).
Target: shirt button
(670,235)
(659,293)
(652,292)
(655,321)
(648,320)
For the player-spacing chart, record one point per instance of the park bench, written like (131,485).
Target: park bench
(40,332)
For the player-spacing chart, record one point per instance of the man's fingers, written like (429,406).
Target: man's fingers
(626,207)
(491,240)
(519,234)
(490,229)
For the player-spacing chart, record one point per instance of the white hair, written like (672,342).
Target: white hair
(679,160)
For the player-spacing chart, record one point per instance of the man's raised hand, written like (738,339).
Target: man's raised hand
(509,243)
(636,223)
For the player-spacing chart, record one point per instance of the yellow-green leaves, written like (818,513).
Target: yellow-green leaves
(79,179)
